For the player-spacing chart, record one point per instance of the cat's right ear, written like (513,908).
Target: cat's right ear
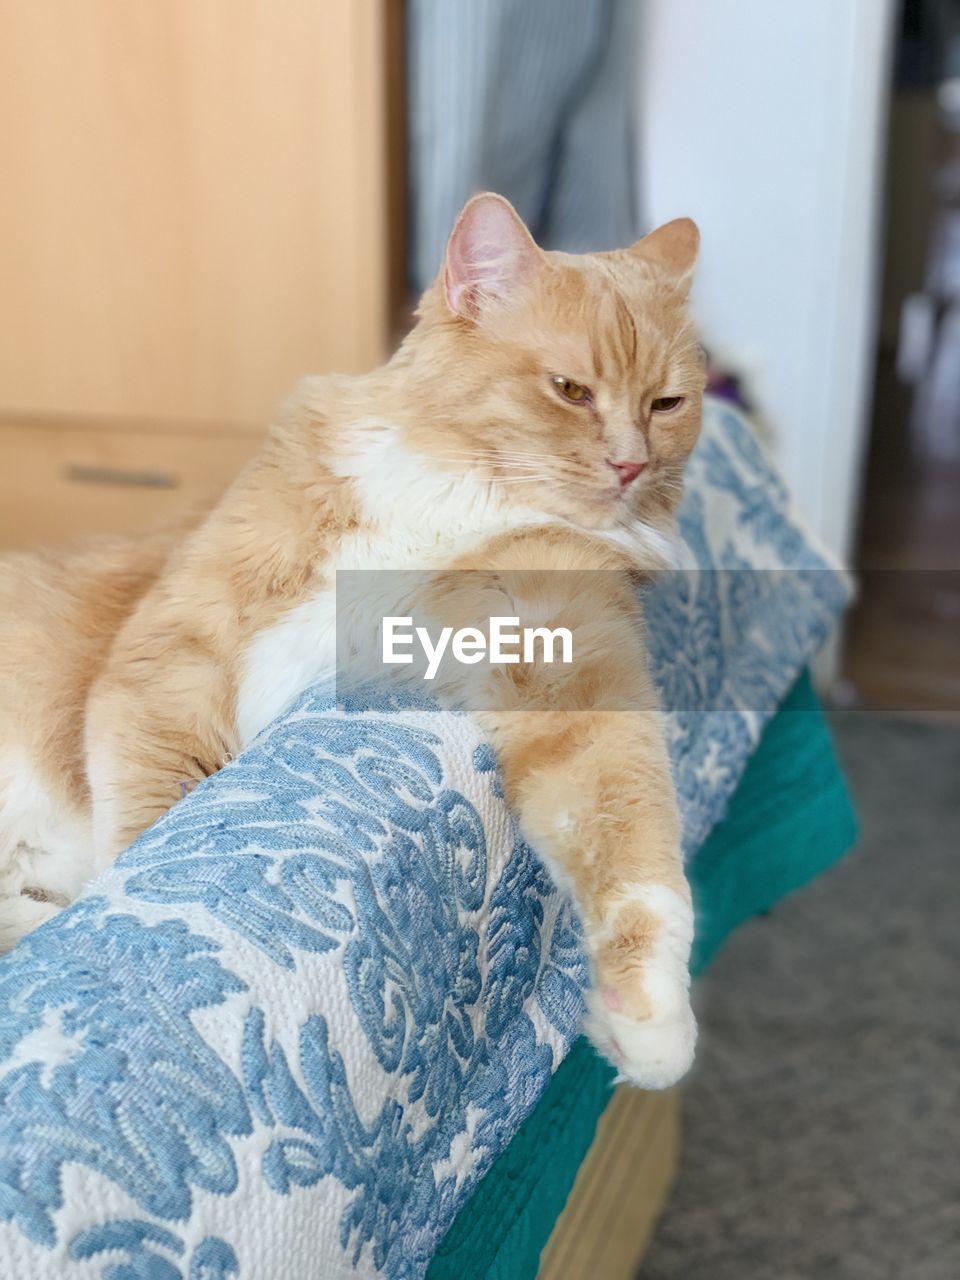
(490,256)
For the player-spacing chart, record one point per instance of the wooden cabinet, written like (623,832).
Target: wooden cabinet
(193,214)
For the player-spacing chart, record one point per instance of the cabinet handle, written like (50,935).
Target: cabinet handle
(82,473)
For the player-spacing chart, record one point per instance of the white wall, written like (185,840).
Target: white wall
(764,121)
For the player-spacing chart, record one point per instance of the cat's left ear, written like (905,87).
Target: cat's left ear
(674,246)
(490,256)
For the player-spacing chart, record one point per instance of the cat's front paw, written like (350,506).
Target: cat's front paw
(638,1013)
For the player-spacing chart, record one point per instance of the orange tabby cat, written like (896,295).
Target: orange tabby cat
(538,417)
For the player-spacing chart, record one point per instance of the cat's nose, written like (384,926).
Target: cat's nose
(627,471)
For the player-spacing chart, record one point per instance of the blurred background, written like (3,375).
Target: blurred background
(203,200)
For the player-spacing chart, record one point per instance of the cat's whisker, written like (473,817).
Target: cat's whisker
(508,464)
(503,455)
(507,473)
(497,461)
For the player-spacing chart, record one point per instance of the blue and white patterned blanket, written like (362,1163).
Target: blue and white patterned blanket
(288,1032)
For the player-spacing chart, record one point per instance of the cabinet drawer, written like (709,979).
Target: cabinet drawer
(57,482)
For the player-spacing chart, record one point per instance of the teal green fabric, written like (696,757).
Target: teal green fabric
(789,819)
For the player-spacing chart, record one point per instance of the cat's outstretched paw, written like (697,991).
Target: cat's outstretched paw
(638,1014)
(652,1052)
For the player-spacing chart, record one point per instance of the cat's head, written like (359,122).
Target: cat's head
(575,381)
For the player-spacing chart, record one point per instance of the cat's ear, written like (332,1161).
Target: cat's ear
(673,246)
(490,256)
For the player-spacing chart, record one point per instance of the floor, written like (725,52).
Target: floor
(822,1123)
(903,637)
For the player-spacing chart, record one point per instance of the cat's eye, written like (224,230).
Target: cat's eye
(666,404)
(575,392)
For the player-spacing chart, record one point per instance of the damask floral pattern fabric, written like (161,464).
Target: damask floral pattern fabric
(292,1027)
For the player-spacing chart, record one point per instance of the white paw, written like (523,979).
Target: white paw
(650,1052)
(639,1014)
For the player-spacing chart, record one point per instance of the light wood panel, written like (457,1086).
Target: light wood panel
(619,1192)
(57,483)
(193,209)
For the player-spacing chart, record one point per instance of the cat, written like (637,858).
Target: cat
(538,416)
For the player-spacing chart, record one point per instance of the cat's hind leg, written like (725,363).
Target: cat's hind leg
(45,850)
(20,914)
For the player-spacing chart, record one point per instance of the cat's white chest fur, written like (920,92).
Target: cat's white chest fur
(413,517)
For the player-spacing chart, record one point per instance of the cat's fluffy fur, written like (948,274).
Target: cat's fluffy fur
(130,669)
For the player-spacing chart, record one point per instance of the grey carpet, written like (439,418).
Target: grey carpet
(822,1122)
